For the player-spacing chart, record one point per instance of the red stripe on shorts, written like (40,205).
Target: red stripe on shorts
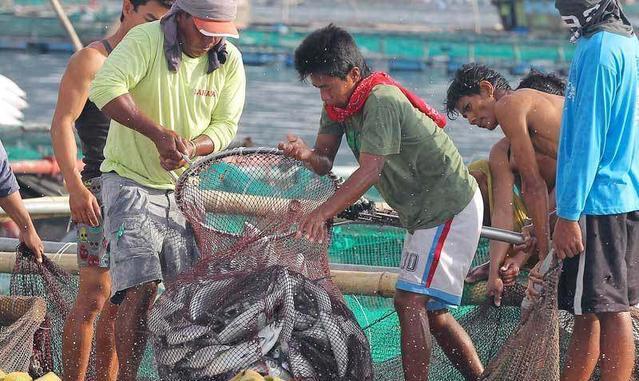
(438,252)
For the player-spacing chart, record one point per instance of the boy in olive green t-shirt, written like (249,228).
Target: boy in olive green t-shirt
(402,150)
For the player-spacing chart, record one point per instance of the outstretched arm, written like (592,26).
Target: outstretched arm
(320,159)
(72,96)
(368,173)
(502,213)
(512,115)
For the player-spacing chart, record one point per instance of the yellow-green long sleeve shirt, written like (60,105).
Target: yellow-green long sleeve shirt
(189,101)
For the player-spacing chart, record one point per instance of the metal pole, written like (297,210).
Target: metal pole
(66,24)
(502,235)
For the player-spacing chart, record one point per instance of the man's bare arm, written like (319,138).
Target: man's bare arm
(123,110)
(13,205)
(502,213)
(320,159)
(72,96)
(512,116)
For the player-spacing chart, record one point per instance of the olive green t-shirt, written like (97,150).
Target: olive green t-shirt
(424,178)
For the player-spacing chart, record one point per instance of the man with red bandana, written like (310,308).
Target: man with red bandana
(402,151)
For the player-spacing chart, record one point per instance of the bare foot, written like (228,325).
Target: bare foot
(478,273)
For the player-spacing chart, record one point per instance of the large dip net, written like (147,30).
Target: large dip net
(260,297)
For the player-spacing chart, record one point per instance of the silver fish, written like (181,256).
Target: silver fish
(300,367)
(172,355)
(315,332)
(186,334)
(207,297)
(157,325)
(269,336)
(165,306)
(235,358)
(322,300)
(288,314)
(205,355)
(337,340)
(241,323)
(303,321)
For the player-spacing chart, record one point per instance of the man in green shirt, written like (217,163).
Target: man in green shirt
(403,151)
(173,88)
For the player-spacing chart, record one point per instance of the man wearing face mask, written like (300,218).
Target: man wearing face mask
(598,190)
(172,88)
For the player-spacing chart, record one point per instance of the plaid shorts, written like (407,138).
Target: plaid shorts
(149,237)
(93,248)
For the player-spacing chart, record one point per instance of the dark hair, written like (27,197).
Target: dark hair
(329,51)
(549,83)
(136,3)
(466,82)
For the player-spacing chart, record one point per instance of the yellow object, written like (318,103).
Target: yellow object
(49,377)
(17,376)
(2,375)
(520,214)
(251,375)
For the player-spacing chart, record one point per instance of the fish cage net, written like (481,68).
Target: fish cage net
(237,239)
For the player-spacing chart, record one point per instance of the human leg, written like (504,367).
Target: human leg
(617,346)
(94,291)
(455,343)
(77,339)
(433,267)
(583,350)
(135,230)
(106,360)
(415,334)
(131,329)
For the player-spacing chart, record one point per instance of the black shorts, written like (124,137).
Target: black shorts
(605,278)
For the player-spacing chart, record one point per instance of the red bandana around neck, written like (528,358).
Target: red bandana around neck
(363,90)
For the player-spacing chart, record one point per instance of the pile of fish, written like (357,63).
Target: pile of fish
(274,321)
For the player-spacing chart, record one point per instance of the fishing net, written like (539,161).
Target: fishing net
(528,353)
(259,297)
(20,318)
(58,289)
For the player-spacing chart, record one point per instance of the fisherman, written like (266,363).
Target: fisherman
(597,232)
(11,203)
(174,87)
(530,120)
(504,207)
(402,150)
(74,108)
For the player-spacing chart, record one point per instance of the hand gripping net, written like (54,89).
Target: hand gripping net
(532,352)
(58,289)
(259,297)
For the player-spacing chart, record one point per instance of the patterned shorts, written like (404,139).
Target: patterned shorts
(93,248)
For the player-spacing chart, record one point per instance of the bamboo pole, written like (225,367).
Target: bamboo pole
(349,282)
(66,24)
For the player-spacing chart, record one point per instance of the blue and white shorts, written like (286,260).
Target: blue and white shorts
(435,261)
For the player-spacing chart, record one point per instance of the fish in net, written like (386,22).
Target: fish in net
(259,298)
(58,288)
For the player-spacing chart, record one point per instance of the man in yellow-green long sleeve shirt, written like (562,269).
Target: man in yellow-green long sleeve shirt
(172,88)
